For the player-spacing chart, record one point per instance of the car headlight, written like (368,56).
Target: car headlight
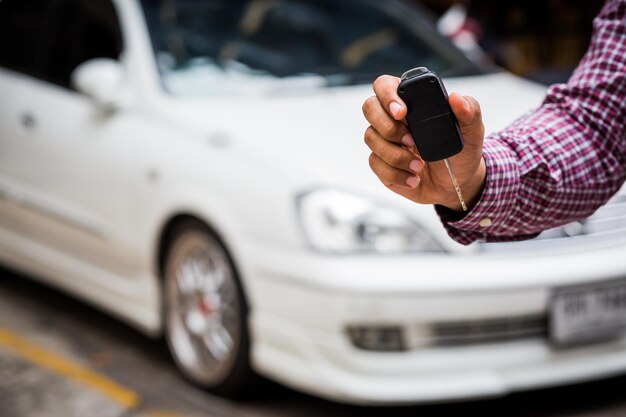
(339,222)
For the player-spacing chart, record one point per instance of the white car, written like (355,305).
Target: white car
(198,170)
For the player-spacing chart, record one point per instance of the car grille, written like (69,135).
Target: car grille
(494,330)
(607,226)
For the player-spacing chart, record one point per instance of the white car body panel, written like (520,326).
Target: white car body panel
(93,227)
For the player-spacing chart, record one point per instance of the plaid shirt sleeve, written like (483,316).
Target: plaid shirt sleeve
(562,161)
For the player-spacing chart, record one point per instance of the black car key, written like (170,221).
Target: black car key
(430,119)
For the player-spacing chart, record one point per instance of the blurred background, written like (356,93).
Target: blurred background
(540,40)
(63,357)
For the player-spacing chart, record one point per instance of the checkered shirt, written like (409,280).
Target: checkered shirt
(562,161)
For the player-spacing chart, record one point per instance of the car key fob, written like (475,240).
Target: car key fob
(430,119)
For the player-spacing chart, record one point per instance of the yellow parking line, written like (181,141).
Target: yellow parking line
(121,395)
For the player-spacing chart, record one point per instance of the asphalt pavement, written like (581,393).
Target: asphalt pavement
(62,358)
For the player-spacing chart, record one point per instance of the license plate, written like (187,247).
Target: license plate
(588,313)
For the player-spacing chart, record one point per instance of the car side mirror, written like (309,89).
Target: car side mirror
(102,80)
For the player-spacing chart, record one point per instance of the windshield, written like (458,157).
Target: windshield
(215,47)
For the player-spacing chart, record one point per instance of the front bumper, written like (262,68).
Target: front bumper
(302,305)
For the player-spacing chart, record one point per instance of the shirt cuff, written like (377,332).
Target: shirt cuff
(488,218)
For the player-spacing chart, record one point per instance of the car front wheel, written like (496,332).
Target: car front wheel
(205,311)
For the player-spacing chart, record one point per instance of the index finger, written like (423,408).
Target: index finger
(386,87)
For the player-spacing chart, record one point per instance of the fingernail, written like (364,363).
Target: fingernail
(416,165)
(395,108)
(407,140)
(411,182)
(466,104)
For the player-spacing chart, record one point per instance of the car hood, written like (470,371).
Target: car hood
(315,136)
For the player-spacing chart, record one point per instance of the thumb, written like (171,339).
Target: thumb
(468,114)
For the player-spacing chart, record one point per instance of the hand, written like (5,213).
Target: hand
(396,161)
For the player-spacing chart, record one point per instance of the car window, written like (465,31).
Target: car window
(345,42)
(82,30)
(22,23)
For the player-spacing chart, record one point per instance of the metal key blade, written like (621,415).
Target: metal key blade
(456,184)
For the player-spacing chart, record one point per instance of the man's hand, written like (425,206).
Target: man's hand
(396,161)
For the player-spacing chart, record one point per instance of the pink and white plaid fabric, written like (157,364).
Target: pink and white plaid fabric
(562,161)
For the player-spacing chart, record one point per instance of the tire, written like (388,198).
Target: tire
(205,312)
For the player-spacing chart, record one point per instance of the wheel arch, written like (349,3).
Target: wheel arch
(169,225)
(164,235)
